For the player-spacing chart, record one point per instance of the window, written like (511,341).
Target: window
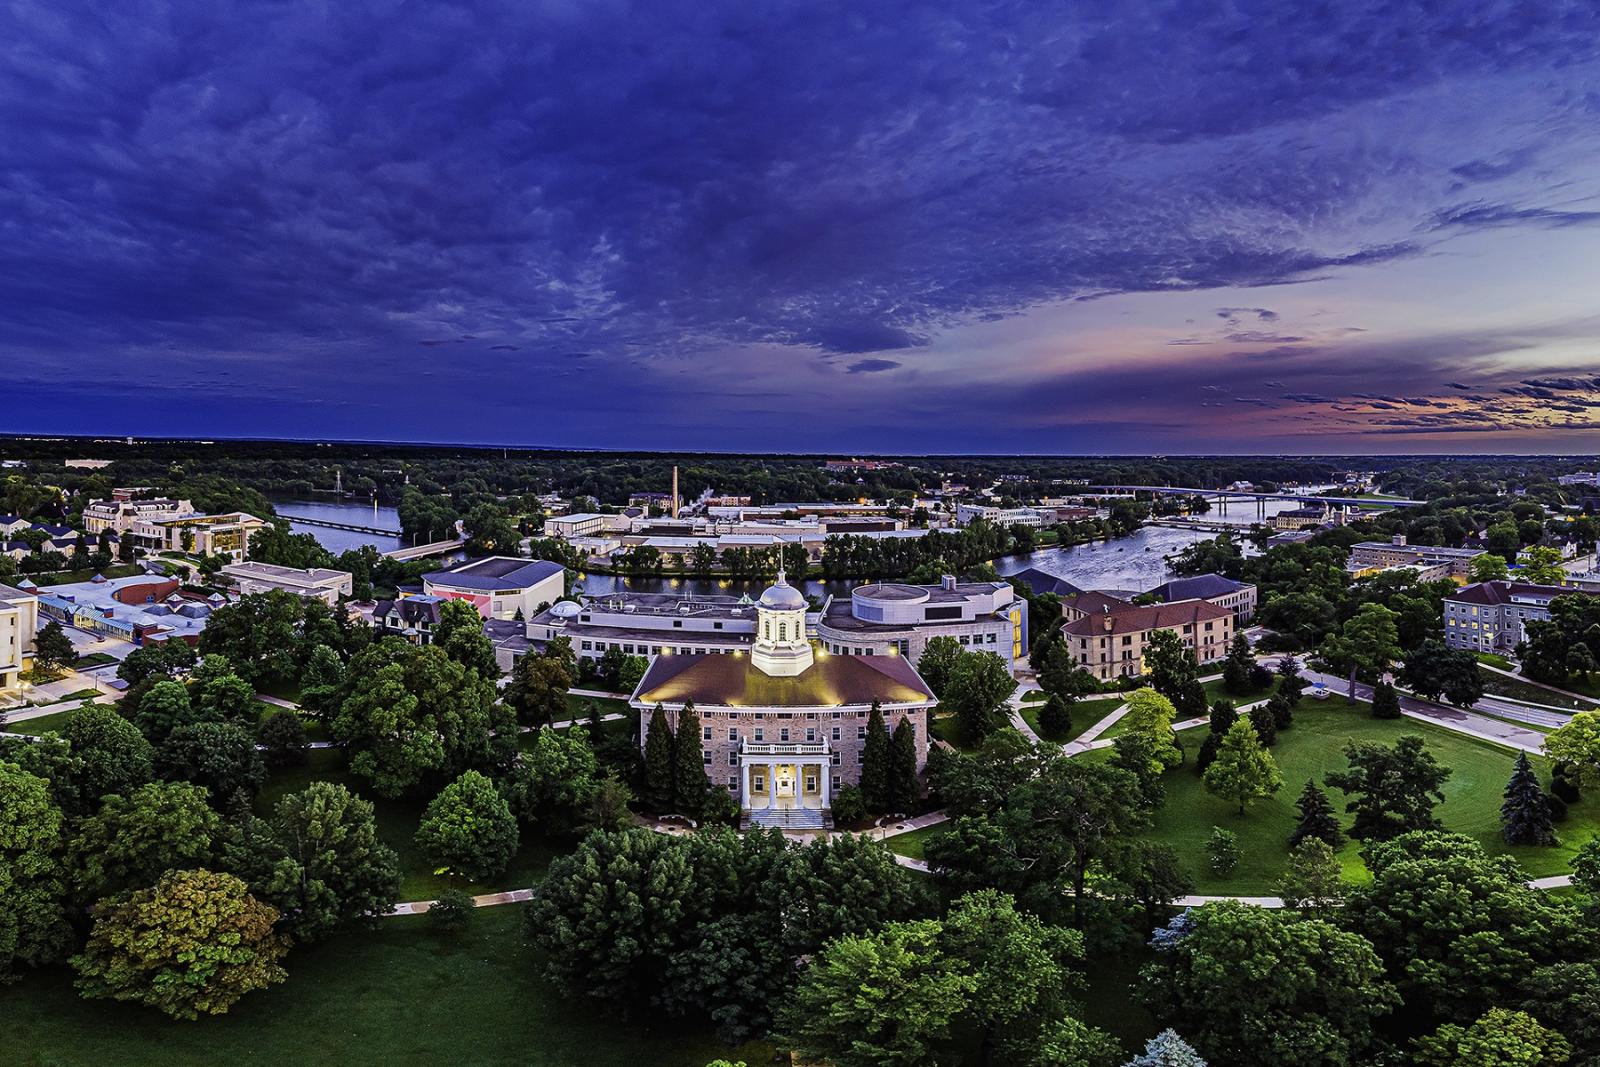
(835,761)
(760,734)
(861,733)
(861,757)
(758,783)
(835,733)
(733,759)
(783,733)
(811,733)
(677,623)
(733,733)
(733,782)
(716,626)
(705,733)
(705,756)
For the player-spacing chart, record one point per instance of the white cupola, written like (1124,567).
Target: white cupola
(782,649)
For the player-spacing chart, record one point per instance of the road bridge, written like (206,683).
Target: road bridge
(437,548)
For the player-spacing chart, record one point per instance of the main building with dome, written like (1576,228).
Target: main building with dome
(784,726)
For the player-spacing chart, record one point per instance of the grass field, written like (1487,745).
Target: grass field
(116,570)
(42,725)
(397,995)
(94,659)
(1085,714)
(1313,747)
(912,844)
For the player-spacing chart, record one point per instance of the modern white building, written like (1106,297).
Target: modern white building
(967,514)
(889,618)
(585,524)
(785,725)
(320,583)
(19,624)
(649,624)
(500,587)
(1376,556)
(226,534)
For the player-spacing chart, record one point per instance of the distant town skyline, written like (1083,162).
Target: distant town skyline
(903,228)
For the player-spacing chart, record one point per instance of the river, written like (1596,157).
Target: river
(350,511)
(1134,562)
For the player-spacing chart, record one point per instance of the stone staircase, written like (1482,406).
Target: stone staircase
(788,818)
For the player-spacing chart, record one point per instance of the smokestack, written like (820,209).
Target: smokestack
(674,490)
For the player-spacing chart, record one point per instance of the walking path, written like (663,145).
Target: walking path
(1462,722)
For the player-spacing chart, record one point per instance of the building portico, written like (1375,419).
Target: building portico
(778,777)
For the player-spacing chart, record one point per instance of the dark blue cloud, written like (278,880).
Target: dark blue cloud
(344,197)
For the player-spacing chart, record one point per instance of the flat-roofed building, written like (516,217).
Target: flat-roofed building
(1377,556)
(500,587)
(227,534)
(19,625)
(319,583)
(649,624)
(1110,643)
(890,618)
(1492,616)
(584,524)
(994,515)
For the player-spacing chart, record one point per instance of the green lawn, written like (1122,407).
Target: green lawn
(912,843)
(42,725)
(608,705)
(397,995)
(1084,715)
(116,570)
(1517,689)
(1314,746)
(1494,659)
(94,659)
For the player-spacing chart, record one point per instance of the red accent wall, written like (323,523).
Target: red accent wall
(146,592)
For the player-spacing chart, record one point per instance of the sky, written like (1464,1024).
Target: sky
(752,225)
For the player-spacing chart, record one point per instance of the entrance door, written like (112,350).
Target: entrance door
(783,781)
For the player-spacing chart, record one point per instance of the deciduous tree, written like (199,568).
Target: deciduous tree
(191,945)
(1392,790)
(1243,770)
(469,828)
(33,919)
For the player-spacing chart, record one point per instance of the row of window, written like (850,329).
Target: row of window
(733,758)
(783,732)
(758,783)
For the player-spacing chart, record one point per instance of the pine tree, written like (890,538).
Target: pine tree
(1266,724)
(1207,753)
(1223,714)
(592,716)
(1055,718)
(1385,701)
(904,788)
(1525,815)
(1317,818)
(688,763)
(1290,683)
(1236,668)
(1282,711)
(658,762)
(1167,1049)
(875,762)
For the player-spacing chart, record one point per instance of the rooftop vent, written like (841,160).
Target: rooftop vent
(947,582)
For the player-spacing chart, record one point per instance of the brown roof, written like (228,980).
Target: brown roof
(1502,592)
(727,680)
(1132,618)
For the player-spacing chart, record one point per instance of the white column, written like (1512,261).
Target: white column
(772,786)
(826,782)
(744,784)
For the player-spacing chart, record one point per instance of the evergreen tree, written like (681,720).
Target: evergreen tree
(904,788)
(658,761)
(591,714)
(875,762)
(1385,701)
(1207,753)
(1223,714)
(1167,1049)
(1265,723)
(1055,718)
(688,763)
(1290,683)
(1317,818)
(1282,711)
(1236,668)
(1525,815)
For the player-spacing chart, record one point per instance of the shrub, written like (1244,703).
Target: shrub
(1223,851)
(849,807)
(452,911)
